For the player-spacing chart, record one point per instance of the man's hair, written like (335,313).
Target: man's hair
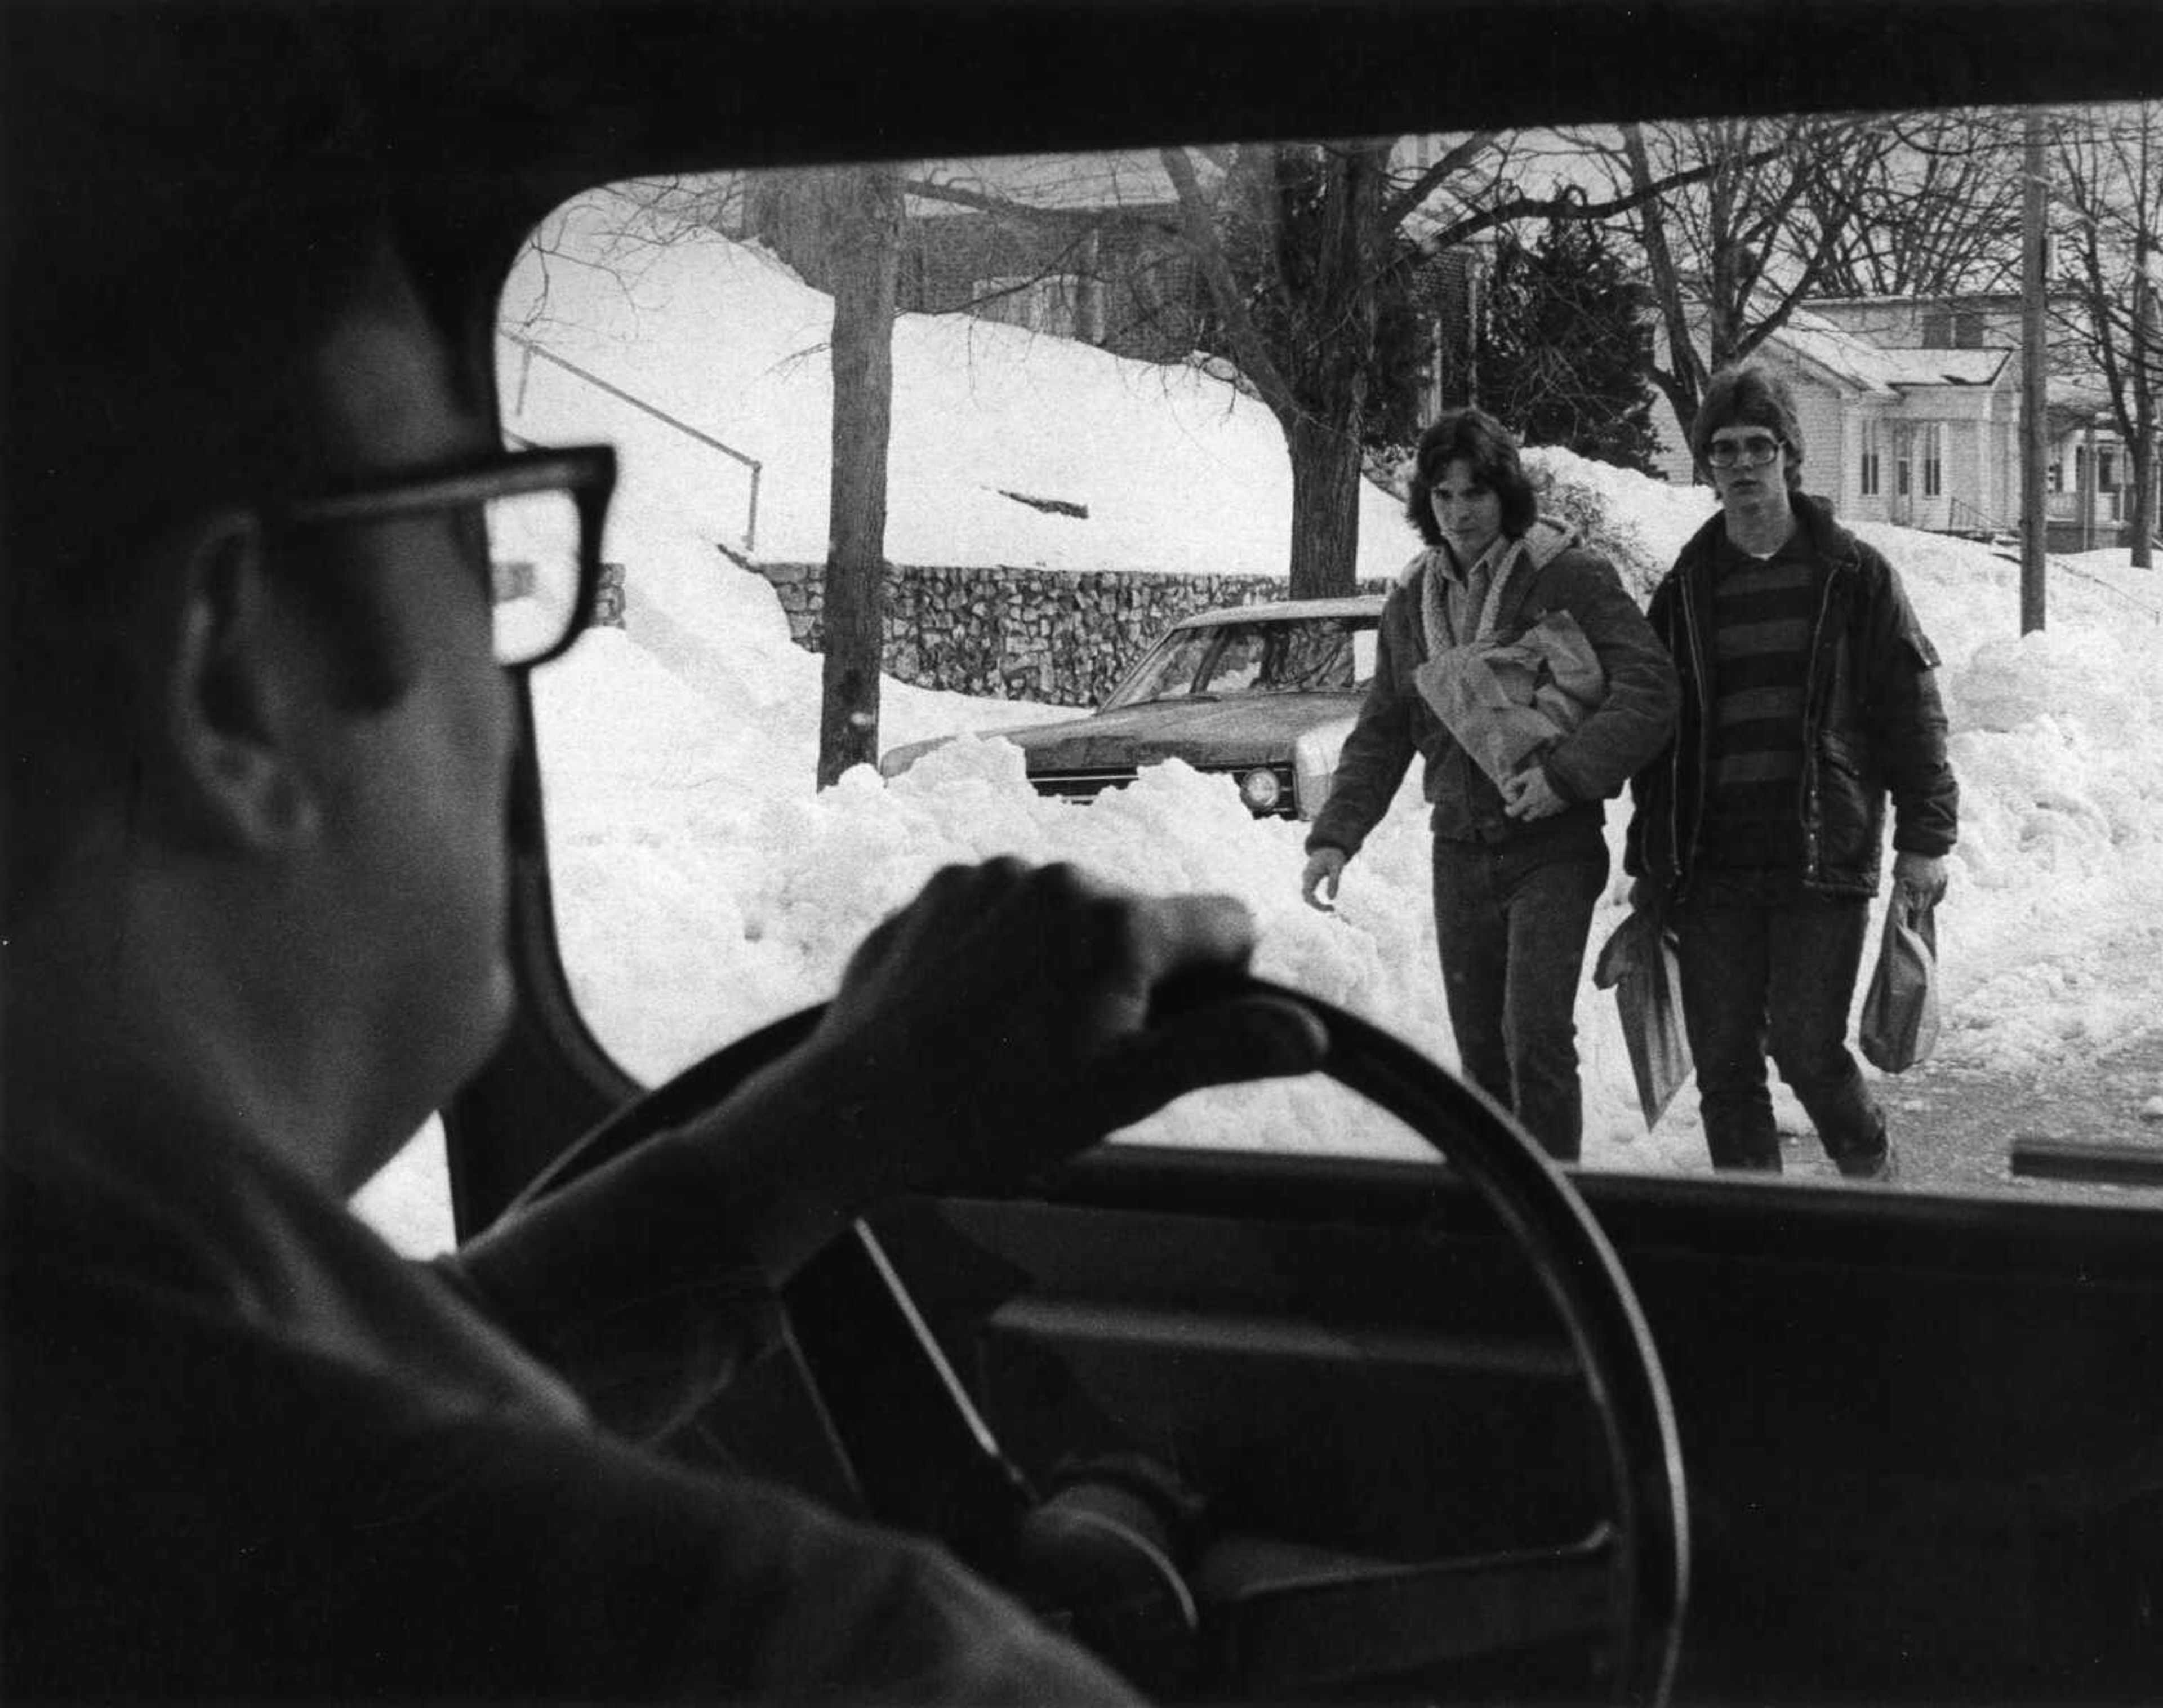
(1749,394)
(193,202)
(1477,438)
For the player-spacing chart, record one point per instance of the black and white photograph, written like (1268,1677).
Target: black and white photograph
(1096,852)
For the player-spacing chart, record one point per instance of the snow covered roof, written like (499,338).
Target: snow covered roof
(1133,178)
(1850,361)
(1857,362)
(1949,367)
(1362,605)
(2075,395)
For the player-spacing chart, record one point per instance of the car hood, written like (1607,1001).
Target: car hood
(1241,732)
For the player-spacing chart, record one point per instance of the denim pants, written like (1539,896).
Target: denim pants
(1510,921)
(1769,966)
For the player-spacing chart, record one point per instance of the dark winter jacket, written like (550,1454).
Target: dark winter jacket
(1552,573)
(251,1455)
(1872,720)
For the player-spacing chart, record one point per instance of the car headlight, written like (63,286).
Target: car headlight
(1260,788)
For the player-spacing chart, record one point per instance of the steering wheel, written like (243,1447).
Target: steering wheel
(1625,1582)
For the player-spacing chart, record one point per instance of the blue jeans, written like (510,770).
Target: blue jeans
(1510,921)
(1769,966)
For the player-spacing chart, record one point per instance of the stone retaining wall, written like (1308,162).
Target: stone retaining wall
(515,580)
(1062,637)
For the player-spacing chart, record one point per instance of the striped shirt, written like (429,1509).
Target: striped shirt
(1762,609)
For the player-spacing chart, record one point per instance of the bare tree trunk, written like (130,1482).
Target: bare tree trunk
(2140,448)
(863,206)
(2035,430)
(2111,225)
(2142,456)
(1325,509)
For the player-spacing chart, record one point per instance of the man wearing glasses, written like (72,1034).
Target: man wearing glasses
(1808,693)
(269,585)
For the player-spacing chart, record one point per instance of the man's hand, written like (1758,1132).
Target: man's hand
(1923,873)
(1528,795)
(1009,1017)
(1325,870)
(1004,1019)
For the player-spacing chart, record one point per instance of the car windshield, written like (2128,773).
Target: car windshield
(1215,661)
(1086,444)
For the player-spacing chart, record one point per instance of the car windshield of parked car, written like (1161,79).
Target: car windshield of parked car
(1318,655)
(1086,441)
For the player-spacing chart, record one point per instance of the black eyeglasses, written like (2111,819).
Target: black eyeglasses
(537,518)
(1754,452)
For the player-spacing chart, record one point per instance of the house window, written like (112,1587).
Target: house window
(1904,469)
(1867,477)
(1045,304)
(1952,328)
(2106,468)
(1934,460)
(2056,479)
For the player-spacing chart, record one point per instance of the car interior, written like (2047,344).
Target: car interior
(1262,1425)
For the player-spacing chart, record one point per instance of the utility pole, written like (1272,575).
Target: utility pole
(2143,364)
(2034,508)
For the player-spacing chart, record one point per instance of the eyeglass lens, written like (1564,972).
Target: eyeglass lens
(534,540)
(1755,451)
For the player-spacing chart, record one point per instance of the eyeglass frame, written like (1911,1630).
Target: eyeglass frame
(1740,456)
(586,473)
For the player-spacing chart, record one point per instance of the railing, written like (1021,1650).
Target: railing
(531,349)
(1968,518)
(1962,517)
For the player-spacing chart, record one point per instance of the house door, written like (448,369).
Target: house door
(1900,507)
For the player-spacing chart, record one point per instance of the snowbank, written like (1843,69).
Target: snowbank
(684,923)
(730,343)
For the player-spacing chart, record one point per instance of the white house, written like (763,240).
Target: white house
(1911,413)
(1927,437)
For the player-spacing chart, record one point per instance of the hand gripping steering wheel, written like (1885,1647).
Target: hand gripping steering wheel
(1625,1584)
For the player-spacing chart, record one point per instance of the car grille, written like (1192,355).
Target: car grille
(1080,787)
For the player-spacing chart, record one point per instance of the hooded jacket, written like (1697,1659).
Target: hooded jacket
(1872,720)
(1545,570)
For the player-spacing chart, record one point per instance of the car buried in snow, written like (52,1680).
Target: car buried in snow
(1264,694)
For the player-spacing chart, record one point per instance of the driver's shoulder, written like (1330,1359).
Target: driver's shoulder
(123,1261)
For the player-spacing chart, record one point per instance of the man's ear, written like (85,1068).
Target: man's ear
(228,682)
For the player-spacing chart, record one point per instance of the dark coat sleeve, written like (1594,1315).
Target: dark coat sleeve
(646,1326)
(1379,749)
(220,1513)
(1649,781)
(1632,723)
(1904,719)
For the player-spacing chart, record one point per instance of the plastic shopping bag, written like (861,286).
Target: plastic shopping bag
(1638,963)
(1900,1009)
(1505,702)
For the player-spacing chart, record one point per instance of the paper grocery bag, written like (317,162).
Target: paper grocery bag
(1507,702)
(1638,963)
(1900,1009)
